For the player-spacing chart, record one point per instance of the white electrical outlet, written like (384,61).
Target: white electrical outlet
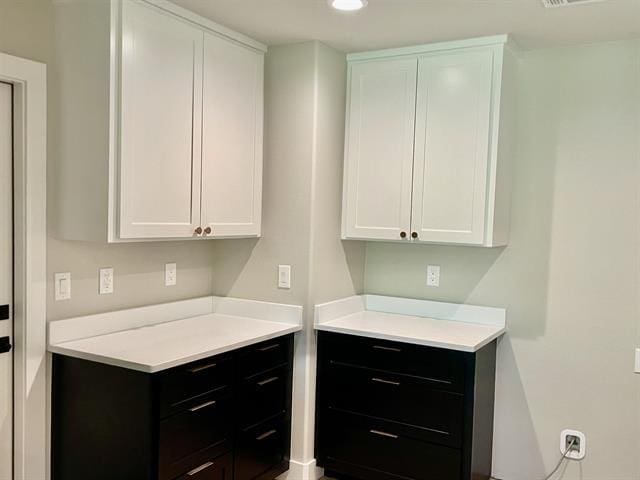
(62,285)
(284,276)
(637,362)
(170,274)
(433,275)
(106,281)
(579,448)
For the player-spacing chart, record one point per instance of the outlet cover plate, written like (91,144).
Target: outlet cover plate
(573,454)
(106,281)
(170,274)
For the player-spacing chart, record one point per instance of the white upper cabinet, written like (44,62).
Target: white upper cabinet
(458,161)
(232,138)
(160,124)
(379,149)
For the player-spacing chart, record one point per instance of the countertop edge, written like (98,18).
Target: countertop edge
(411,340)
(60,349)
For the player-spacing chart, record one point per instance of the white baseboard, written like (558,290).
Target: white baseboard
(302,471)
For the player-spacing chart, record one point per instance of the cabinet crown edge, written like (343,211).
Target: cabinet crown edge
(505,40)
(209,25)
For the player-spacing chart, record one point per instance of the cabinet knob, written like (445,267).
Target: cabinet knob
(198,231)
(414,235)
(403,234)
(207,230)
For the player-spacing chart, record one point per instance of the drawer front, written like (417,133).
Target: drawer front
(211,468)
(380,446)
(208,425)
(182,387)
(443,369)
(265,356)
(261,448)
(400,398)
(263,396)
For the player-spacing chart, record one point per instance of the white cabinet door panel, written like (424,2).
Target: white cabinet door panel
(232,138)
(160,127)
(452,147)
(379,149)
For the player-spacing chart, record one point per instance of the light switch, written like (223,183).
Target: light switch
(62,285)
(170,274)
(106,281)
(284,276)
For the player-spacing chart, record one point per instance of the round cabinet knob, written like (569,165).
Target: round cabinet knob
(198,231)
(403,234)
(414,235)
(207,230)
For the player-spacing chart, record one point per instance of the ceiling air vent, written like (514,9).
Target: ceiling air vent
(566,3)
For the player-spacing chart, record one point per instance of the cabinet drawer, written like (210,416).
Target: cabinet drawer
(382,447)
(443,369)
(265,356)
(400,398)
(182,387)
(211,468)
(184,435)
(263,396)
(261,449)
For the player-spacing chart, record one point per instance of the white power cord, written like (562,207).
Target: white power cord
(560,462)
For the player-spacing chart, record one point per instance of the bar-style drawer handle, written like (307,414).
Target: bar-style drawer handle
(5,345)
(387,349)
(197,470)
(267,381)
(383,434)
(269,347)
(386,382)
(265,435)
(4,312)
(204,405)
(202,367)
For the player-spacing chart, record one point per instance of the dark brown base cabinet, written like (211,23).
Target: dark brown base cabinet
(390,411)
(227,417)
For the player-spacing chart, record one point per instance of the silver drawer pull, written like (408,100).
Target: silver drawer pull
(383,434)
(387,349)
(267,381)
(265,435)
(203,367)
(269,347)
(197,470)
(386,382)
(204,405)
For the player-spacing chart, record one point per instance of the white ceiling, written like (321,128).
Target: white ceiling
(392,23)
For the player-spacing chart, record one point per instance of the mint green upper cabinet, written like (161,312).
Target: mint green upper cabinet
(459,155)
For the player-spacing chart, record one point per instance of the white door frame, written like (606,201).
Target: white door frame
(31,438)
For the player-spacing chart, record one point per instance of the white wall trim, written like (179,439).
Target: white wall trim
(31,438)
(302,471)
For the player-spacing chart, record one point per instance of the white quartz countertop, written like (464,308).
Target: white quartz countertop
(467,329)
(158,346)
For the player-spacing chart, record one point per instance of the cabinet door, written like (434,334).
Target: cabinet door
(379,149)
(232,138)
(160,117)
(452,147)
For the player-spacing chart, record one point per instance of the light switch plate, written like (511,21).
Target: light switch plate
(106,281)
(62,285)
(170,274)
(284,276)
(433,275)
(637,362)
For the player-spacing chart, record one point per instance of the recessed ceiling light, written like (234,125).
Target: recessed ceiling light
(348,5)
